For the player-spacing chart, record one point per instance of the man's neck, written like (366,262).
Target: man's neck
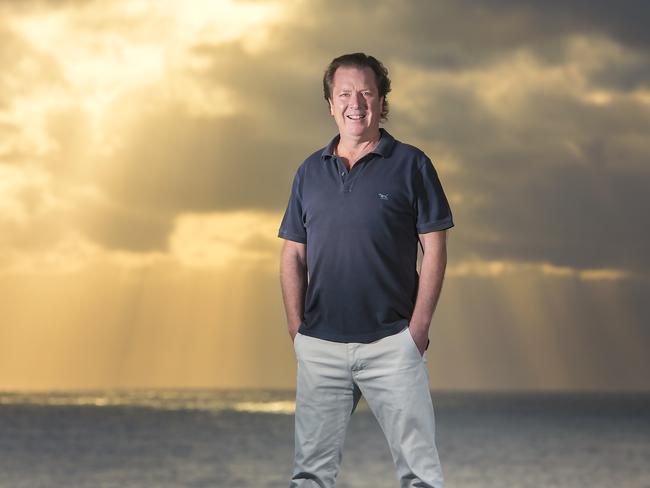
(353,148)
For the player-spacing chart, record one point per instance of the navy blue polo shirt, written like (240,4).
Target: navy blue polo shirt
(361,231)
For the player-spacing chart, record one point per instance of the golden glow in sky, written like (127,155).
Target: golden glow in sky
(147,151)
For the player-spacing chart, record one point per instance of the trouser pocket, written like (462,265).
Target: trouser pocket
(413,344)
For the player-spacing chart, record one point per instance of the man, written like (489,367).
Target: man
(357,310)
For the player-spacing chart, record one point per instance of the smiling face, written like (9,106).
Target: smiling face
(355,103)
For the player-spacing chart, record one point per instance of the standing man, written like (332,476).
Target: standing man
(357,310)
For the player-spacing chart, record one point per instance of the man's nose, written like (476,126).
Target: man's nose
(357,100)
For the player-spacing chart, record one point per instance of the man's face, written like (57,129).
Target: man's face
(355,102)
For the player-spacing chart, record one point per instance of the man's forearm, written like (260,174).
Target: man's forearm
(432,274)
(293,280)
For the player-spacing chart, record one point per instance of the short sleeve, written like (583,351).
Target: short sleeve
(293,224)
(431,205)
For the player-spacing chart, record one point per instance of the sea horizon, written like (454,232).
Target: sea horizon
(209,437)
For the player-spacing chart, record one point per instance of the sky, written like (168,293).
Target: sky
(147,151)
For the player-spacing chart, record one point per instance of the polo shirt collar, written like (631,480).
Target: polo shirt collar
(383,149)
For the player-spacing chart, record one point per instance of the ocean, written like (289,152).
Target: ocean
(244,438)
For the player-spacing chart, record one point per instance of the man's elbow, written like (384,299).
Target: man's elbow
(293,251)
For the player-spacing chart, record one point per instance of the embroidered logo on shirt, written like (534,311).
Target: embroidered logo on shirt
(383,196)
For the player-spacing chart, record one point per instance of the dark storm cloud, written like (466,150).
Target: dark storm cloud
(546,129)
(281,86)
(551,180)
(564,183)
(569,216)
(455,35)
(626,21)
(563,180)
(172,161)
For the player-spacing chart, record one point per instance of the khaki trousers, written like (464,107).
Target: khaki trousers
(392,376)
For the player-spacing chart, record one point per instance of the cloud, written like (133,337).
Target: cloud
(146,157)
(535,116)
(173,162)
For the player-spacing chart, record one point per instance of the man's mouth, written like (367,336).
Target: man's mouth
(356,117)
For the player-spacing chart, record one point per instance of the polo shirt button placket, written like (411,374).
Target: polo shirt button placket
(343,180)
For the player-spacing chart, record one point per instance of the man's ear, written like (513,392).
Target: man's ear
(381,104)
(329,102)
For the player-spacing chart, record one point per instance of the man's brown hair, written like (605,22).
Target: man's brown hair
(359,60)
